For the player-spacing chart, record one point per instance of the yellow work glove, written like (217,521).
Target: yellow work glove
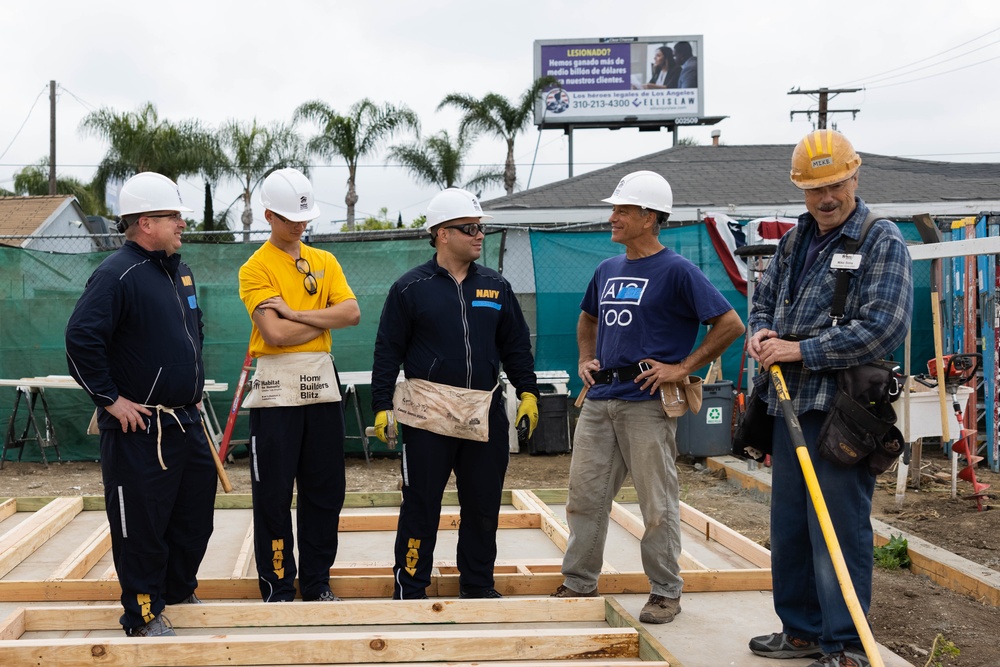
(385,426)
(528,408)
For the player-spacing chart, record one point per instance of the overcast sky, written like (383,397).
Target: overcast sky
(930,70)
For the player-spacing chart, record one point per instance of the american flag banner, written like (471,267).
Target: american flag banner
(728,234)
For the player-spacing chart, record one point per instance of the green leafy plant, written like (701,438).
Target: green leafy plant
(893,555)
(940,648)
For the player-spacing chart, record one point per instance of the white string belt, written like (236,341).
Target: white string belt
(159,432)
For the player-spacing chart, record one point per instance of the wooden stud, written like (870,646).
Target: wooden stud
(86,556)
(25,538)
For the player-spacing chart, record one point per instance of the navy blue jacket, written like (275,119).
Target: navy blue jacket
(137,332)
(451,333)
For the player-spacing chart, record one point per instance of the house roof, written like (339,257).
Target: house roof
(22,216)
(756,177)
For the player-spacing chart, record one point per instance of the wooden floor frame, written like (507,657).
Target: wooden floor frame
(574,631)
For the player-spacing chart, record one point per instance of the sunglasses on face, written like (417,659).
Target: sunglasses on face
(309,281)
(470,229)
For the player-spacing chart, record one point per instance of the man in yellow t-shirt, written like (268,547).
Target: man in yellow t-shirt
(295,295)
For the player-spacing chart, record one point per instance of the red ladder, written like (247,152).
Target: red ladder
(234,409)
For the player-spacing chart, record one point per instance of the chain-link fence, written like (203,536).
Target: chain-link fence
(548,269)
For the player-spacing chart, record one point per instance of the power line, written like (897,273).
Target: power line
(961,55)
(915,62)
(931,76)
(18,133)
(86,105)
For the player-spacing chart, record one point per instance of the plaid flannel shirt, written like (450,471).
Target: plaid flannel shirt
(877,315)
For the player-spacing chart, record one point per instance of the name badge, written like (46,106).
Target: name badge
(844,261)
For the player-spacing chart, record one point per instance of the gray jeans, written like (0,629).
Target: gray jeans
(613,438)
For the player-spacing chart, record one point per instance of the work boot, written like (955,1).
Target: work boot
(851,656)
(566,592)
(782,646)
(660,609)
(478,593)
(158,627)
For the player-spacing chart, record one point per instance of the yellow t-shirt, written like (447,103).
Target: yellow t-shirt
(271,272)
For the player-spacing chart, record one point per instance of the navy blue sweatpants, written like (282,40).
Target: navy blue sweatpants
(161,520)
(298,448)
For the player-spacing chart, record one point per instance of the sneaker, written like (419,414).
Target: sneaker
(567,592)
(326,596)
(779,645)
(191,599)
(849,657)
(660,609)
(158,627)
(480,593)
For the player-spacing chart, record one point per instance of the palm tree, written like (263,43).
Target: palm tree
(496,115)
(140,141)
(253,151)
(354,136)
(33,180)
(438,161)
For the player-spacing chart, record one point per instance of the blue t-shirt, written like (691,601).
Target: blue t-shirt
(649,308)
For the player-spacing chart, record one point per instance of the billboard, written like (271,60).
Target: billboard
(620,80)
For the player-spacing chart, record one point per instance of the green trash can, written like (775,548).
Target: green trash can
(708,433)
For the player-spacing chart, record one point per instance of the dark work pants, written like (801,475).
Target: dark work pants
(161,520)
(299,448)
(807,596)
(427,463)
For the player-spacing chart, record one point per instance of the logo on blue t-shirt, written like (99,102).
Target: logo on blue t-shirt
(623,290)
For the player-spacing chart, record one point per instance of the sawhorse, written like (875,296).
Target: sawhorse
(31,394)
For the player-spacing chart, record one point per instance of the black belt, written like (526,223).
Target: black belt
(622,374)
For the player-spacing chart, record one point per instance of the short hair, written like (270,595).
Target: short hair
(681,48)
(128,221)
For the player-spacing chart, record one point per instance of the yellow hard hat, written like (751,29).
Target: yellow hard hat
(822,158)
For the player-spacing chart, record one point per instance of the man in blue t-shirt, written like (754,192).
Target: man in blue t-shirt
(640,319)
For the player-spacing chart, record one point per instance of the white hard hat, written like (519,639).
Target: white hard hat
(147,192)
(646,189)
(452,204)
(289,193)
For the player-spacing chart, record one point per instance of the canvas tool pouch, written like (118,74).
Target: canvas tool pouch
(676,398)
(443,409)
(754,431)
(861,421)
(296,378)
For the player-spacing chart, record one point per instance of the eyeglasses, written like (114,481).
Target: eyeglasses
(290,222)
(470,229)
(309,282)
(176,216)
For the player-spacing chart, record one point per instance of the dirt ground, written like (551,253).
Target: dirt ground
(908,611)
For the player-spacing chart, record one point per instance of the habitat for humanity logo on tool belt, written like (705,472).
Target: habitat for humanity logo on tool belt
(622,291)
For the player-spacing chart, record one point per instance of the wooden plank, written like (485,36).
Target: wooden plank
(316,648)
(8,508)
(551,525)
(12,627)
(637,529)
(943,567)
(245,557)
(28,536)
(650,648)
(347,613)
(449,521)
(380,586)
(86,556)
(726,536)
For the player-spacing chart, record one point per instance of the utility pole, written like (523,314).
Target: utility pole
(52,137)
(823,111)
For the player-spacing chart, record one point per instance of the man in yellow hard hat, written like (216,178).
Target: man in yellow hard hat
(798,321)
